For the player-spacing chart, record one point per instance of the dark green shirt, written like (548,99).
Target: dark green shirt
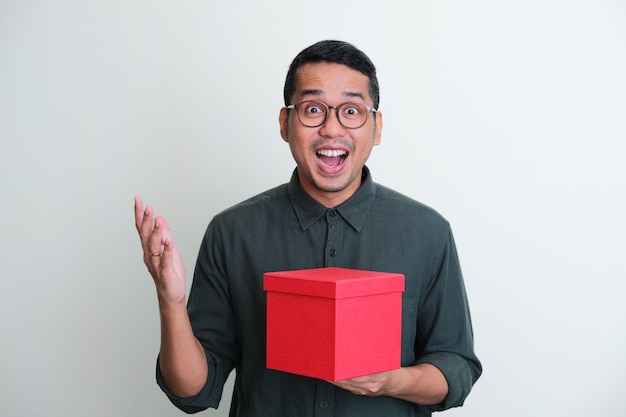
(377,229)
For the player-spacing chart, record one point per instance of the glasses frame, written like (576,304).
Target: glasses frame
(336,108)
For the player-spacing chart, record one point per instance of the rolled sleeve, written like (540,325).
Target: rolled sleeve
(460,375)
(209,396)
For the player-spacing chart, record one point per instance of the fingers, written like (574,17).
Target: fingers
(368,385)
(143,222)
(159,234)
(166,259)
(139,213)
(153,231)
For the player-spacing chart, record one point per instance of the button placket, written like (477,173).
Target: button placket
(333,238)
(324,396)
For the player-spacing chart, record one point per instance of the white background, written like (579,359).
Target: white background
(507,117)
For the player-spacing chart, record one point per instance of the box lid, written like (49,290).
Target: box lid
(333,282)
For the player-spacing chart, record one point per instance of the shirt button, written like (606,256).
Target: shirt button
(333,252)
(332,213)
(324,404)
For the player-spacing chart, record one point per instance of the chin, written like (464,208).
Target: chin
(331,186)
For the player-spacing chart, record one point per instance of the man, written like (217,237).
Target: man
(331,214)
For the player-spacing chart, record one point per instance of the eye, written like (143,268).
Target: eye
(313,109)
(351,110)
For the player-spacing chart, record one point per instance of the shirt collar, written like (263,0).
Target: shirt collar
(354,210)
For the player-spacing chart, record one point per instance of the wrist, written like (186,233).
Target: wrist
(397,380)
(170,305)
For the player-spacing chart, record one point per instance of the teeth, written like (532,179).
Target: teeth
(331,152)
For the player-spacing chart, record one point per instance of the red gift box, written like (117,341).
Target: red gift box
(333,323)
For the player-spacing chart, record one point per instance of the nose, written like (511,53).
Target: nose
(332,127)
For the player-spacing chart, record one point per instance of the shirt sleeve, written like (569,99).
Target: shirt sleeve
(445,337)
(207,397)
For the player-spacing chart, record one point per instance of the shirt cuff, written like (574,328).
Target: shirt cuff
(209,395)
(459,374)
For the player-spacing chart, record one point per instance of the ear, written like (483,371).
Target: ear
(378,129)
(283,120)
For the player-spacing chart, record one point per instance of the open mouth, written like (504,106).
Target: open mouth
(332,157)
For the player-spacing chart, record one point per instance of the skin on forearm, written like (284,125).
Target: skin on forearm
(421,384)
(181,358)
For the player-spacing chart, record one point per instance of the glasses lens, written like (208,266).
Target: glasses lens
(312,113)
(352,115)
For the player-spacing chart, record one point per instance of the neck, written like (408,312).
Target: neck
(331,198)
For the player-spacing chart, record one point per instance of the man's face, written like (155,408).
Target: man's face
(330,157)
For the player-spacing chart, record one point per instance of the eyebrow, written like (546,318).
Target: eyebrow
(318,93)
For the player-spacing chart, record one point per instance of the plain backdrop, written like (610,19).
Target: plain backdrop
(508,117)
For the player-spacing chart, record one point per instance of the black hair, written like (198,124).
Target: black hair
(337,52)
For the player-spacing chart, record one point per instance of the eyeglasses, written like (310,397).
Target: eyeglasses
(315,113)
